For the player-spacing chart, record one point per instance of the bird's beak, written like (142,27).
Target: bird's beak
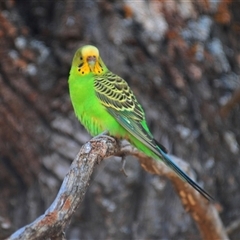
(91,61)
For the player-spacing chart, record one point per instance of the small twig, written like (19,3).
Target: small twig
(235,225)
(123,165)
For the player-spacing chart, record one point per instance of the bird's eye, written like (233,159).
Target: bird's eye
(80,58)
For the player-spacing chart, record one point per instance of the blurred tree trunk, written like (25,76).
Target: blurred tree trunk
(181,59)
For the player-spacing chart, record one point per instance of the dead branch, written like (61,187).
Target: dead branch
(233,226)
(53,222)
(202,211)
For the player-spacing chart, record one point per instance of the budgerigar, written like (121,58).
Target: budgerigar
(103,101)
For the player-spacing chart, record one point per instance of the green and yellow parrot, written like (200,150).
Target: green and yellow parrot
(103,101)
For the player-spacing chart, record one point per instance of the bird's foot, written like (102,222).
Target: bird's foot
(104,134)
(123,165)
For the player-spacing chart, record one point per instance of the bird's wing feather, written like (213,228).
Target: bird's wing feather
(115,93)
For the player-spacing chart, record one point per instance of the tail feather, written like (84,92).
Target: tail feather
(167,160)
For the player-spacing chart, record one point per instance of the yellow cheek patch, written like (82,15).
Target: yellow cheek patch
(97,68)
(84,68)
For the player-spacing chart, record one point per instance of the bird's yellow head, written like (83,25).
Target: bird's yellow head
(87,60)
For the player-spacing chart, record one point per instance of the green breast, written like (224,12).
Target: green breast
(88,109)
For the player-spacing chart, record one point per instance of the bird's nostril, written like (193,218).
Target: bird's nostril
(91,58)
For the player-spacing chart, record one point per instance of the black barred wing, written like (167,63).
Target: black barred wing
(114,93)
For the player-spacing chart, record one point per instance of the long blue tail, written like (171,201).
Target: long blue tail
(167,160)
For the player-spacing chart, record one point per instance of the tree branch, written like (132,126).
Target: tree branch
(53,222)
(202,211)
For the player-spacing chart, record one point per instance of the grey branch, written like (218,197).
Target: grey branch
(52,223)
